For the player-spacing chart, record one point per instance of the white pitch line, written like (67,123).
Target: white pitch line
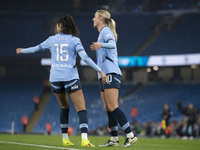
(35,145)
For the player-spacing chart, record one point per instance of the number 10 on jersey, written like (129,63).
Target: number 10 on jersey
(62,55)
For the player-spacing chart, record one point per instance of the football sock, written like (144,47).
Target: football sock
(65,136)
(118,113)
(113,126)
(84,136)
(130,135)
(64,122)
(83,123)
(114,138)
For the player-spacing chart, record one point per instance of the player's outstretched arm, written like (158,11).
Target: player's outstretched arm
(28,50)
(91,63)
(18,50)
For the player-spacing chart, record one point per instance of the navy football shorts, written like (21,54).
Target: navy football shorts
(112,81)
(68,86)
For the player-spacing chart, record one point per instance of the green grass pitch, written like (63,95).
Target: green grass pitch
(55,141)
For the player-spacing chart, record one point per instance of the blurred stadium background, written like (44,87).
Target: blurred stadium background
(159,55)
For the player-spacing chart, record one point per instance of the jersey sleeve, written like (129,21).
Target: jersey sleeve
(108,35)
(89,61)
(45,45)
(78,45)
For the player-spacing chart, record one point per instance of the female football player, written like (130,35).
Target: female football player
(64,77)
(106,52)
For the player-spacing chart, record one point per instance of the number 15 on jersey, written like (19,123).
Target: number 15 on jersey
(62,54)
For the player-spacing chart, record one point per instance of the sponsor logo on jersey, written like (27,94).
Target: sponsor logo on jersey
(61,66)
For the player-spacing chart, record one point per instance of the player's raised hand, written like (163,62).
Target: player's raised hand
(95,46)
(18,50)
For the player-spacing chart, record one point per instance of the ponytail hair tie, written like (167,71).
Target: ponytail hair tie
(108,20)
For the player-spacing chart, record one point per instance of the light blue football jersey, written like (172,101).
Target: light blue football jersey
(64,49)
(107,59)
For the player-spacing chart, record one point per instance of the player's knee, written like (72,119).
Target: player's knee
(112,107)
(80,107)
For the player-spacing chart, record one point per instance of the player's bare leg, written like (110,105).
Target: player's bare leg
(79,103)
(64,114)
(112,122)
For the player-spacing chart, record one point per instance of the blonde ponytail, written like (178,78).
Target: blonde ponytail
(112,26)
(110,22)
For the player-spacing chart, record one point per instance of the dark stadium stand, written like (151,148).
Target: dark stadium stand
(133,31)
(29,30)
(144,28)
(149,101)
(36,6)
(183,39)
(180,4)
(17,100)
(133,6)
(21,31)
(94,105)
(52,114)
(160,5)
(152,97)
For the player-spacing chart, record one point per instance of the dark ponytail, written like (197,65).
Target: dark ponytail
(68,25)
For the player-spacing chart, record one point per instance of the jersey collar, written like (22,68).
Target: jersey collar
(103,27)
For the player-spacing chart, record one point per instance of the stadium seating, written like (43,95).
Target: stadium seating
(132,6)
(94,105)
(30,30)
(152,97)
(183,39)
(133,30)
(17,100)
(52,114)
(36,6)
(21,31)
(180,4)
(149,101)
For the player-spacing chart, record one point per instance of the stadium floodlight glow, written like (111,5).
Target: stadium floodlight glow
(194,66)
(155,68)
(148,70)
